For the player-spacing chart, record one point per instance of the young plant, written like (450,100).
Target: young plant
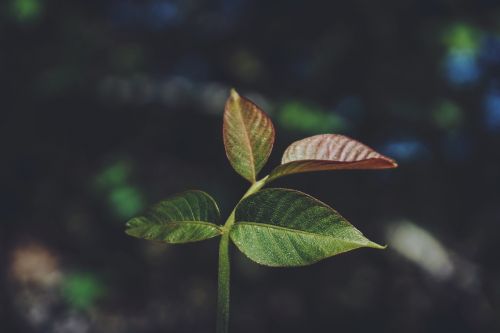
(274,227)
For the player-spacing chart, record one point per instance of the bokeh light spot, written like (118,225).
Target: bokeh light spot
(81,290)
(492,109)
(405,150)
(114,175)
(461,67)
(421,247)
(126,201)
(461,61)
(462,36)
(307,119)
(26,10)
(447,115)
(35,264)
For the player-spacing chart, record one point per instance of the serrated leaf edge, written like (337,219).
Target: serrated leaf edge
(371,244)
(368,244)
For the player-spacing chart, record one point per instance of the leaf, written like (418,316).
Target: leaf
(185,217)
(248,136)
(329,152)
(280,227)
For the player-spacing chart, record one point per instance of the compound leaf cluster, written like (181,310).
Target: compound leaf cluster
(273,227)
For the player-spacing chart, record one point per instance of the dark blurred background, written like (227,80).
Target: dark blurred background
(110,106)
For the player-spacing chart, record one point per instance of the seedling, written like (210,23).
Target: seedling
(274,227)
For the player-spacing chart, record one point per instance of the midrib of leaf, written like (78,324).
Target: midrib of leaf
(297,166)
(318,236)
(247,137)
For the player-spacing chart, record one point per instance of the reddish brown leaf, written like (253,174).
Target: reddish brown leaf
(248,136)
(329,152)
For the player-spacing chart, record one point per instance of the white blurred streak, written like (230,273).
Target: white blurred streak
(173,91)
(176,91)
(213,96)
(420,247)
(73,323)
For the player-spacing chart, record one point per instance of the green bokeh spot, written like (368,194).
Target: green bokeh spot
(462,36)
(126,201)
(115,175)
(81,290)
(26,10)
(307,119)
(447,115)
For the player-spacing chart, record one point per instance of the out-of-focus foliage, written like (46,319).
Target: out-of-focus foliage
(82,290)
(25,11)
(124,199)
(448,116)
(297,116)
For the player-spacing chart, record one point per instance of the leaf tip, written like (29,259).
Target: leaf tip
(393,163)
(374,245)
(384,162)
(234,94)
(129,224)
(131,232)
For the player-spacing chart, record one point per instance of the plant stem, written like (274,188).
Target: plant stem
(253,189)
(224,264)
(223,288)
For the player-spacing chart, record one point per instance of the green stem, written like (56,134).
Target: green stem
(223,288)
(224,265)
(253,189)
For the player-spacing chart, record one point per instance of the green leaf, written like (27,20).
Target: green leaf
(248,136)
(329,152)
(185,217)
(280,227)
